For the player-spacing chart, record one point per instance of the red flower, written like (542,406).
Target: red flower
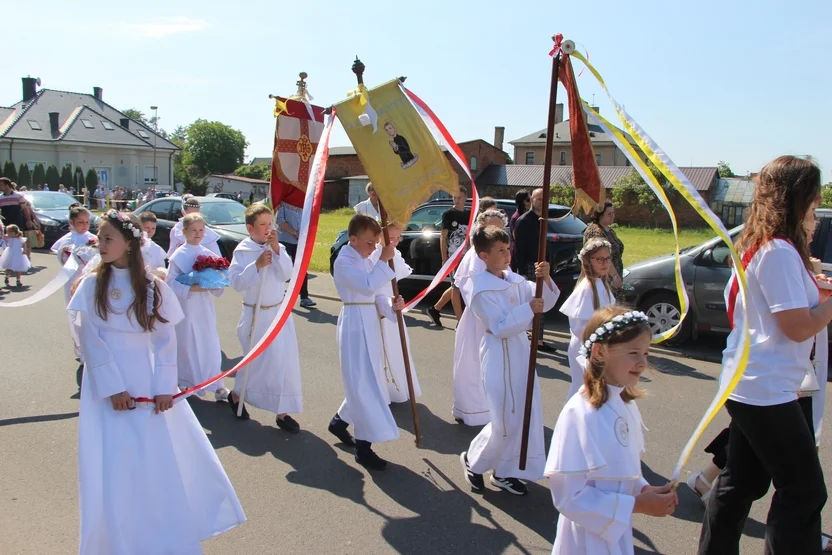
(93,242)
(205,262)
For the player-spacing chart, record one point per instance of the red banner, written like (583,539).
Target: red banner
(297,131)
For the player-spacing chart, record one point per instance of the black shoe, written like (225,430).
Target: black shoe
(434,315)
(234,404)
(474,480)
(288,424)
(338,428)
(367,458)
(511,485)
(79,375)
(546,348)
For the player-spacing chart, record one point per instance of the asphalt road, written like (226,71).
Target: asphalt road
(303,494)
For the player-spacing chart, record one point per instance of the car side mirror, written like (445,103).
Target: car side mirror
(707,258)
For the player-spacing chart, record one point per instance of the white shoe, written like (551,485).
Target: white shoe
(692,481)
(222,394)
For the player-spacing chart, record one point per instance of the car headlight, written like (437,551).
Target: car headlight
(48,222)
(626,272)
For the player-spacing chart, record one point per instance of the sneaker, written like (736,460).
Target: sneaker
(307,303)
(368,459)
(221,394)
(287,424)
(511,485)
(234,407)
(338,428)
(474,480)
(434,315)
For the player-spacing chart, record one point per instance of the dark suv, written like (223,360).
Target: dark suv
(420,242)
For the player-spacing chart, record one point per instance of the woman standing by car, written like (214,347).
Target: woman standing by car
(523,200)
(770,437)
(601,228)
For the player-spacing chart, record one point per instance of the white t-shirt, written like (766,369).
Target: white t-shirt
(777,281)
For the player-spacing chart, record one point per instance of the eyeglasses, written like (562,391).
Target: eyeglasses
(602,259)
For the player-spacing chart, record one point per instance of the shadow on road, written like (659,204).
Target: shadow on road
(438,435)
(38,418)
(671,367)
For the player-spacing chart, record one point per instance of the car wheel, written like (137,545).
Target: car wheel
(663,312)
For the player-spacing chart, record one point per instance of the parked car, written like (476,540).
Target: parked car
(52,211)
(705,272)
(229,196)
(420,242)
(226,217)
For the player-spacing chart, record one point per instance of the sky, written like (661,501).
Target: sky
(709,80)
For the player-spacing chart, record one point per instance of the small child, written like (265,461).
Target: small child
(394,371)
(154,255)
(273,378)
(591,293)
(470,402)
(359,282)
(594,464)
(13,259)
(505,303)
(157,456)
(200,355)
(190,205)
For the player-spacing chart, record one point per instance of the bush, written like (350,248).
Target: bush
(24,178)
(53,178)
(66,177)
(826,196)
(92,180)
(38,175)
(10,171)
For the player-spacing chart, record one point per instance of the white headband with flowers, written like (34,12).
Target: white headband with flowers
(592,245)
(616,324)
(126,224)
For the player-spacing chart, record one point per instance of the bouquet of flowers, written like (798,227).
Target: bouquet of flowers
(209,272)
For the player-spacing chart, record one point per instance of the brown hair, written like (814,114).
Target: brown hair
(146,217)
(140,281)
(486,237)
(362,222)
(11,228)
(594,380)
(485,204)
(253,211)
(191,218)
(76,210)
(6,181)
(784,191)
(595,215)
(587,274)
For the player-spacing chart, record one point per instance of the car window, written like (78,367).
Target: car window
(161,209)
(50,201)
(177,208)
(430,216)
(720,255)
(223,213)
(570,225)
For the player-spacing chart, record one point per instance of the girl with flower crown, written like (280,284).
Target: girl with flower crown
(149,480)
(594,463)
(591,293)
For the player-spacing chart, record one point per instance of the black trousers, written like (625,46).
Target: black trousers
(292,250)
(765,445)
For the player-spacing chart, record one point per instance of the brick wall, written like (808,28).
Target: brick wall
(338,167)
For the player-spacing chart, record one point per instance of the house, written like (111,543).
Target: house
(81,130)
(236,184)
(530,150)
(504,181)
(730,198)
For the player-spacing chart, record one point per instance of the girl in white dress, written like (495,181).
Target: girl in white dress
(591,293)
(594,463)
(200,355)
(13,259)
(149,480)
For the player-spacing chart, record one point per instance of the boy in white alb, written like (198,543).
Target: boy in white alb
(273,380)
(505,303)
(190,205)
(154,255)
(359,282)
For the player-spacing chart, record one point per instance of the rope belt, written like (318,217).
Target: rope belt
(262,307)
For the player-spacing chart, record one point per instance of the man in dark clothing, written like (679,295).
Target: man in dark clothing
(526,241)
(12,205)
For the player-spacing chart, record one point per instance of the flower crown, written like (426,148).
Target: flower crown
(618,323)
(592,245)
(126,224)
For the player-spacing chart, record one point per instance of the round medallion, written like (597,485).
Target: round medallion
(454,224)
(115,294)
(622,431)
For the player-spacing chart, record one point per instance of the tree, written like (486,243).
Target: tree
(826,196)
(135,114)
(562,194)
(10,171)
(53,178)
(24,178)
(257,171)
(632,189)
(213,147)
(66,177)
(92,180)
(78,181)
(38,175)
(724,169)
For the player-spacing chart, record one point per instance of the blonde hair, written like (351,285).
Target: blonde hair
(595,381)
(192,218)
(13,229)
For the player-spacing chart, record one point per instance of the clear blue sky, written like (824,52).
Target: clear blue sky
(708,80)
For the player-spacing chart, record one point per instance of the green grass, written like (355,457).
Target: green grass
(639,243)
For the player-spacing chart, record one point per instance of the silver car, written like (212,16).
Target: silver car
(651,283)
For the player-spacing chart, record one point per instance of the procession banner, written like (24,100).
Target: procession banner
(297,132)
(733,368)
(398,152)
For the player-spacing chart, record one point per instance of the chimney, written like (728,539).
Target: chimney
(54,124)
(98,93)
(499,135)
(559,112)
(125,123)
(29,88)
(597,109)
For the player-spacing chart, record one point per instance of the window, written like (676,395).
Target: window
(87,123)
(107,125)
(34,125)
(427,218)
(148,174)
(530,158)
(143,134)
(562,157)
(473,164)
(161,209)
(598,159)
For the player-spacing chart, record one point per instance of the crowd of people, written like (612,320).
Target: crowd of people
(143,335)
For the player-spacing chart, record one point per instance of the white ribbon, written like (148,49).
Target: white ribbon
(69,269)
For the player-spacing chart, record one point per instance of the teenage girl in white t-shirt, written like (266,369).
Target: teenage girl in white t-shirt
(770,438)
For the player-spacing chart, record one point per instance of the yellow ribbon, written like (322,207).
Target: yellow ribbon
(683,186)
(280,107)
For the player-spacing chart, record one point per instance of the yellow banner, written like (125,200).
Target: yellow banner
(401,158)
